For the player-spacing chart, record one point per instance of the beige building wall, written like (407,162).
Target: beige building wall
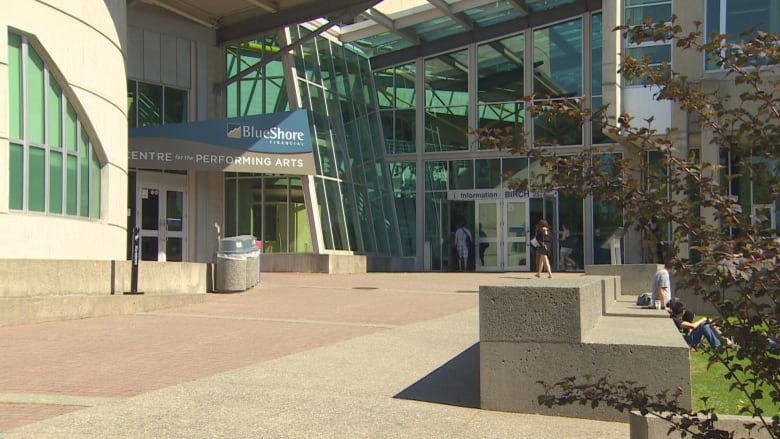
(83,42)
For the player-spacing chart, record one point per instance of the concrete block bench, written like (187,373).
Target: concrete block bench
(549,329)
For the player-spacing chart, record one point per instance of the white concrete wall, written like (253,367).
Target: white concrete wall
(83,41)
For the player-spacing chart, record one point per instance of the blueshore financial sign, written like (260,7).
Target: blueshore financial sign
(278,143)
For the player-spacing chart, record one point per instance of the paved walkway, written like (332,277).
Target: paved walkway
(299,356)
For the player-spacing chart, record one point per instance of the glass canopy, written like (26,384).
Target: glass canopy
(393,25)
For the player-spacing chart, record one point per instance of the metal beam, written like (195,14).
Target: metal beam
(275,56)
(270,6)
(479,35)
(520,6)
(389,24)
(462,19)
(255,26)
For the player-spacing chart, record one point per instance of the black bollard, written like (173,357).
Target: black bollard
(136,252)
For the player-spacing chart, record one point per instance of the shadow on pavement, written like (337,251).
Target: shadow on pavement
(454,383)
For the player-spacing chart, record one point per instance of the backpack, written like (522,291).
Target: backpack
(644,299)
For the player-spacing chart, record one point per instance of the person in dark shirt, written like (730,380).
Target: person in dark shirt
(693,331)
(543,236)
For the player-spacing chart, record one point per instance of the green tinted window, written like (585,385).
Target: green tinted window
(72,185)
(35,96)
(70,130)
(558,53)
(47,154)
(94,187)
(150,106)
(175,102)
(15,86)
(16,177)
(55,114)
(37,180)
(84,165)
(55,181)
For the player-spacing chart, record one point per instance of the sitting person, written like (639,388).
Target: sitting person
(693,331)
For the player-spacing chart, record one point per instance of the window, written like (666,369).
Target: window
(153,104)
(558,74)
(500,86)
(659,52)
(54,168)
(446,102)
(732,17)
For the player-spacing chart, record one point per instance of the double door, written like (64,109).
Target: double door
(503,234)
(161,215)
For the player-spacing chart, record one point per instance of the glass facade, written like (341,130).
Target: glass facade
(352,183)
(501,85)
(607,216)
(54,168)
(658,52)
(447,102)
(733,17)
(397,100)
(483,85)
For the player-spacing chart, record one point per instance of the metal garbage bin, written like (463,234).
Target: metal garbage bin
(233,259)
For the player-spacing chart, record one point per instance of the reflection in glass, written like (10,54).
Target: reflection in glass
(149,104)
(397,102)
(487,231)
(173,249)
(515,170)
(404,178)
(149,248)
(500,77)
(175,102)
(174,203)
(436,176)
(607,216)
(462,174)
(508,117)
(558,60)
(657,54)
(553,128)
(435,207)
(516,227)
(150,209)
(446,102)
(487,173)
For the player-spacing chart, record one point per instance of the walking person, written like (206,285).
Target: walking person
(567,247)
(463,241)
(482,245)
(543,236)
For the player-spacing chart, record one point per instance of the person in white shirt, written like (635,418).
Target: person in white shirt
(462,242)
(662,285)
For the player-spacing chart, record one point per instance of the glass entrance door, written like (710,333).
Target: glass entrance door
(502,235)
(516,236)
(488,241)
(161,215)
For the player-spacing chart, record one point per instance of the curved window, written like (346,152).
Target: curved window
(53,167)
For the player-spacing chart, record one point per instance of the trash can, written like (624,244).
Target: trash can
(233,263)
(252,268)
